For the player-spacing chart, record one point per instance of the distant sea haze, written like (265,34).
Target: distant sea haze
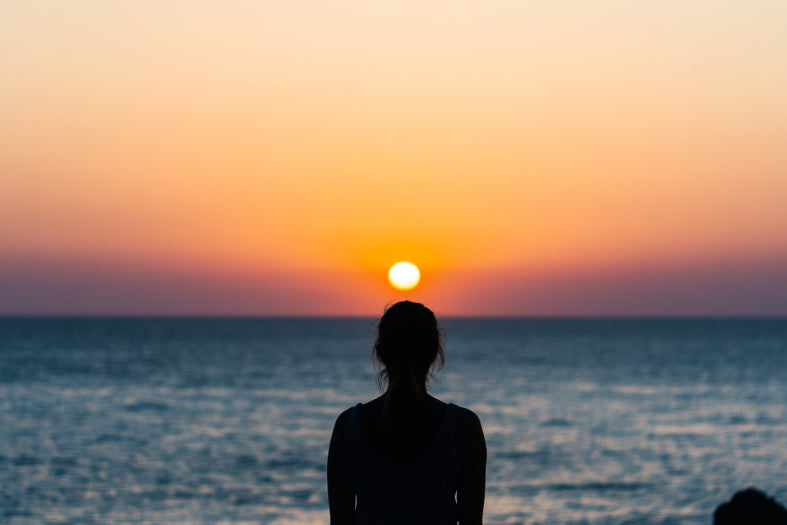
(606,421)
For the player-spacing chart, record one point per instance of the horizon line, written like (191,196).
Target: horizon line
(170,316)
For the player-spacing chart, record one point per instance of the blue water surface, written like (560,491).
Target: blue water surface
(193,421)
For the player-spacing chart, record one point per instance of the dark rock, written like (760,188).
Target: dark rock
(750,507)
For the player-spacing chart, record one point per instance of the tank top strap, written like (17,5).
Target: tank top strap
(453,410)
(352,431)
(354,415)
(446,436)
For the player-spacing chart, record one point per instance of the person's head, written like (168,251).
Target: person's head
(408,347)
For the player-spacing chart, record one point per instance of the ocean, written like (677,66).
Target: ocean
(214,420)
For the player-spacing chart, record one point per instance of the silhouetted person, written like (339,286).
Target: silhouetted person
(750,507)
(407,458)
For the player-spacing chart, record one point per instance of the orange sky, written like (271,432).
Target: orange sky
(533,158)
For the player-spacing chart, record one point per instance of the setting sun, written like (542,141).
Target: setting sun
(404,275)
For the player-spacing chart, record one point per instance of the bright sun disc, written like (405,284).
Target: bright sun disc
(404,275)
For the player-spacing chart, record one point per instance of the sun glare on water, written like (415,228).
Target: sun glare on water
(404,276)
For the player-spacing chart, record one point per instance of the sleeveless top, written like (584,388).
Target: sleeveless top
(395,492)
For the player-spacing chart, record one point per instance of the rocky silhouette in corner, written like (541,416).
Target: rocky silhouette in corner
(750,507)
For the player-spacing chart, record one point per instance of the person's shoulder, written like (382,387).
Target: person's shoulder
(470,439)
(344,418)
(466,418)
(465,413)
(348,412)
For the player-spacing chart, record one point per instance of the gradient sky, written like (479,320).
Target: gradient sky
(276,157)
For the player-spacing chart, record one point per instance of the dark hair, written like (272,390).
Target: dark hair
(409,349)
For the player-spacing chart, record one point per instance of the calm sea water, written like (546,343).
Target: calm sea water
(228,420)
